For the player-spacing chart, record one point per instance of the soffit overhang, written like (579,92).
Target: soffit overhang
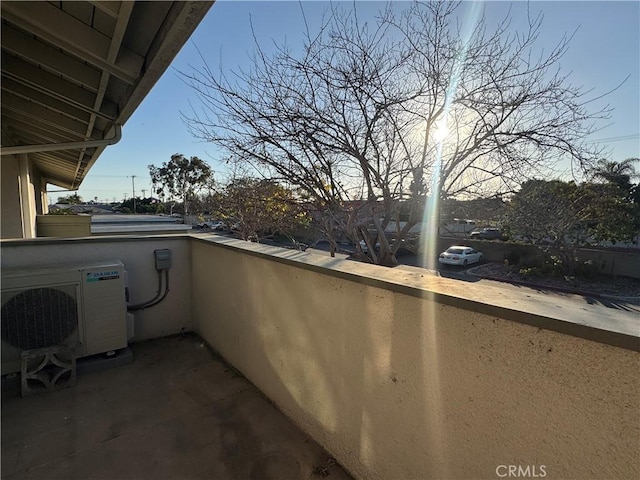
(72,71)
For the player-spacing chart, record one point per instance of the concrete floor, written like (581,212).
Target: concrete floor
(176,412)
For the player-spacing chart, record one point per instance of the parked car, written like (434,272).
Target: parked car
(365,249)
(460,255)
(217,225)
(343,247)
(487,233)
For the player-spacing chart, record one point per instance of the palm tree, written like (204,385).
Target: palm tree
(617,173)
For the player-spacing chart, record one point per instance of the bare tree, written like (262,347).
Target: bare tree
(360,118)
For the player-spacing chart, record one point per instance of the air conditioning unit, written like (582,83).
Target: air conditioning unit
(82,307)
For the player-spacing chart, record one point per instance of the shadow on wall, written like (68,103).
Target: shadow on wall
(358,368)
(399,386)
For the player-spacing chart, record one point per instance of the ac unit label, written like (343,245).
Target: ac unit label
(99,276)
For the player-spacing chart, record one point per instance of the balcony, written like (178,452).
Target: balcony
(177,411)
(394,372)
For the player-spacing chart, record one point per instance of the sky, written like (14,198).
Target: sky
(604,51)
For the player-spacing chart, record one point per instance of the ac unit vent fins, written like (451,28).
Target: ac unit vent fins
(39,317)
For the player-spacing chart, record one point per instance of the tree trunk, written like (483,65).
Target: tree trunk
(387,259)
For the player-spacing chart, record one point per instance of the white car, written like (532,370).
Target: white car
(211,225)
(460,255)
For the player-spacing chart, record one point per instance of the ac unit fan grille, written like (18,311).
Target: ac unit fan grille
(39,317)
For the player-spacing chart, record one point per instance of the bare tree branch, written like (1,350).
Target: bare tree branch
(353,119)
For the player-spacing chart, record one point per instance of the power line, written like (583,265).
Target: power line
(616,139)
(115,176)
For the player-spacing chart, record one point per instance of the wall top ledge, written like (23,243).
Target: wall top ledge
(604,322)
(589,318)
(18,242)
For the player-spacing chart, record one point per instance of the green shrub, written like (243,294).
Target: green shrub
(528,272)
(513,257)
(586,269)
(62,211)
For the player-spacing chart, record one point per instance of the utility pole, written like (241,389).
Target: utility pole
(133,186)
(144,193)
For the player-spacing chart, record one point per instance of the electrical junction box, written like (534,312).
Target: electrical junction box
(163,259)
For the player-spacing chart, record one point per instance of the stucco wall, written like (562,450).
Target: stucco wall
(22,197)
(169,317)
(11,216)
(614,262)
(407,386)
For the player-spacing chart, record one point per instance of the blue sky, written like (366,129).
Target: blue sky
(603,52)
